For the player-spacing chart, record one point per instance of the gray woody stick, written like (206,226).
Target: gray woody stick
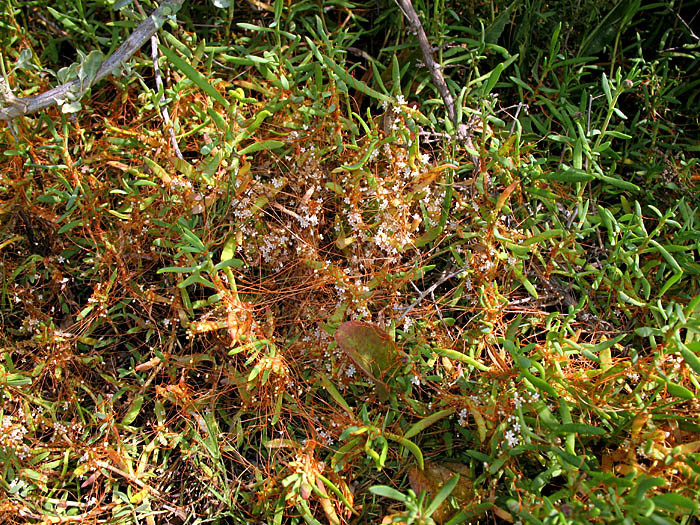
(463,132)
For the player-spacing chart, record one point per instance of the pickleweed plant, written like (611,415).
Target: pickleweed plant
(311,292)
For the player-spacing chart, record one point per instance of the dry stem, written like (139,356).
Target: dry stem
(463,132)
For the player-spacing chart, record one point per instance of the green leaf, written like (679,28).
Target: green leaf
(495,30)
(666,255)
(85,311)
(262,145)
(568,460)
(579,428)
(605,344)
(177,269)
(478,418)
(547,234)
(691,359)
(65,20)
(196,278)
(89,68)
(538,383)
(194,75)
(424,423)
(410,445)
(236,263)
(363,159)
(608,27)
(618,134)
(388,492)
(429,236)
(133,411)
(192,239)
(606,88)
(445,491)
(529,287)
(15,379)
(229,249)
(69,226)
(671,502)
(571,175)
(493,79)
(459,356)
(630,300)
(330,387)
(647,331)
(254,373)
(395,74)
(645,485)
(669,283)
(344,75)
(677,390)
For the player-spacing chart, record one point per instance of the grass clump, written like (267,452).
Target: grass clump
(325,307)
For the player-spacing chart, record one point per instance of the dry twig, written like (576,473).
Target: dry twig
(427,50)
(430,290)
(463,131)
(163,109)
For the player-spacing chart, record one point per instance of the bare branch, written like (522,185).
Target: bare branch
(430,291)
(12,107)
(690,30)
(427,51)
(462,130)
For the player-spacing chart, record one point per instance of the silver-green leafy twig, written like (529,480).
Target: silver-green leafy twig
(12,106)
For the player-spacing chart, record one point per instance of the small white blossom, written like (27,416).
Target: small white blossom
(462,417)
(517,400)
(512,439)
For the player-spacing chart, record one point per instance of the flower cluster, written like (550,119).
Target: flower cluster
(512,434)
(12,437)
